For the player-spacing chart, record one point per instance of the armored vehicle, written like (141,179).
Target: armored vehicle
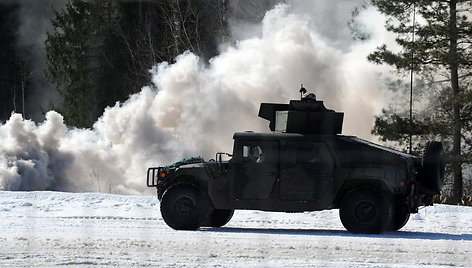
(304,164)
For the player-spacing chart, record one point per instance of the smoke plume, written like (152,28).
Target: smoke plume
(193,109)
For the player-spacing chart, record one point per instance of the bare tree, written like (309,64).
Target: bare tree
(97,175)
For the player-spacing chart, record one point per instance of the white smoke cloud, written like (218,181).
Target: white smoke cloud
(195,110)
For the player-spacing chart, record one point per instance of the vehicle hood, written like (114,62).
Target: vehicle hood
(357,150)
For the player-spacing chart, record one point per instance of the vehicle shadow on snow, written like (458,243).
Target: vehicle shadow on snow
(428,236)
(343,233)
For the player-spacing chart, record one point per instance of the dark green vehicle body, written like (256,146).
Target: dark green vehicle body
(312,171)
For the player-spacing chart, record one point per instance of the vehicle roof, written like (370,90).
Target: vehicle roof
(249,135)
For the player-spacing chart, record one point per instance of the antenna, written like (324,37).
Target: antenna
(411,77)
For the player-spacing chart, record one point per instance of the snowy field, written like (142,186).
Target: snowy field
(53,228)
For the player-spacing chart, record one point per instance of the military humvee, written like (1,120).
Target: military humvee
(304,164)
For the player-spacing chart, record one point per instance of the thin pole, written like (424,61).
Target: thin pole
(411,78)
(23,98)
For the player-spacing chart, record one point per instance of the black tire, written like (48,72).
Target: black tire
(219,217)
(181,207)
(433,168)
(365,211)
(400,217)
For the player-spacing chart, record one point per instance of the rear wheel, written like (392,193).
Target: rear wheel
(366,211)
(400,217)
(181,207)
(219,217)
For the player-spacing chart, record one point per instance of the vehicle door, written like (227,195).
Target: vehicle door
(255,169)
(306,171)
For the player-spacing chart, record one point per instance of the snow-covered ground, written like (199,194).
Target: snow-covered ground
(53,228)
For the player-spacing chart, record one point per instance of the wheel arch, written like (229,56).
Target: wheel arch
(351,184)
(183,180)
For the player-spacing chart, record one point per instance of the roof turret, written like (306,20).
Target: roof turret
(306,116)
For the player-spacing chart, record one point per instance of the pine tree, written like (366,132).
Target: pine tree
(443,44)
(70,57)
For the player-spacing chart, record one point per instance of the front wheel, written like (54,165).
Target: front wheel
(365,211)
(181,207)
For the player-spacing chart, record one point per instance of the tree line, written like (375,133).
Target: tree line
(100,52)
(13,71)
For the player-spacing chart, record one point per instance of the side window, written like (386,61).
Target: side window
(305,153)
(253,154)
